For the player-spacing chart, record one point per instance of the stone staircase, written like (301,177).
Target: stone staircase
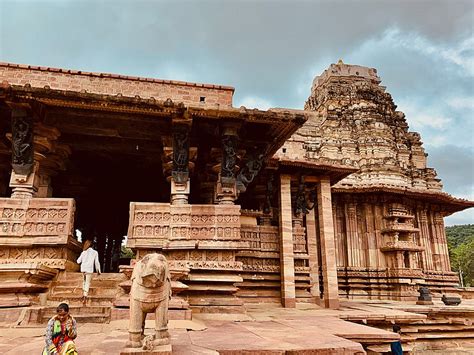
(68,288)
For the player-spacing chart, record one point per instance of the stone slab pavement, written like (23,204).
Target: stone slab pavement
(265,330)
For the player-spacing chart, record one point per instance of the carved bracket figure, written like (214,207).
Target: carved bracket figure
(22,144)
(180,172)
(267,208)
(302,206)
(249,171)
(150,293)
(229,159)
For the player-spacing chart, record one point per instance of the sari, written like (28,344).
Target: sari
(60,337)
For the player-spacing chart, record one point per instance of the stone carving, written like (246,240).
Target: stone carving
(425,296)
(202,222)
(267,208)
(38,217)
(249,171)
(150,293)
(453,300)
(180,172)
(302,206)
(229,158)
(22,145)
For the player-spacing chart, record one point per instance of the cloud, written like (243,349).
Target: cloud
(420,117)
(463,217)
(254,102)
(455,166)
(461,103)
(270,51)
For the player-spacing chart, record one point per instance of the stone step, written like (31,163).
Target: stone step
(212,288)
(93,291)
(86,318)
(51,310)
(76,300)
(94,283)
(109,276)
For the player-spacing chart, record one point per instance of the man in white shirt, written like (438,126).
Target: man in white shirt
(88,259)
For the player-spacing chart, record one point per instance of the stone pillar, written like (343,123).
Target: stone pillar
(287,264)
(180,184)
(226,189)
(425,239)
(313,252)
(24,177)
(328,252)
(353,242)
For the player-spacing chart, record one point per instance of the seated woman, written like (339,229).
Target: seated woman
(60,333)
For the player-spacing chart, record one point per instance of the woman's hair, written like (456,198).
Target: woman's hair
(63,306)
(87,244)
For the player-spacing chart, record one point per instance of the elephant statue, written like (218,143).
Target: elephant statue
(150,292)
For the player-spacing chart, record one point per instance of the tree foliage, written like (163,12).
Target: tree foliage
(126,252)
(461,251)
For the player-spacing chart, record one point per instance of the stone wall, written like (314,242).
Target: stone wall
(387,246)
(113,84)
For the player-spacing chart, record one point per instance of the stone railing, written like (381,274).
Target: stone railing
(165,226)
(36,217)
(401,245)
(38,230)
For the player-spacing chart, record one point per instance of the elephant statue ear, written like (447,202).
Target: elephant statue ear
(137,272)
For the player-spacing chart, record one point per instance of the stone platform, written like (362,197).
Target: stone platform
(270,329)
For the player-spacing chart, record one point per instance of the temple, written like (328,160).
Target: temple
(334,201)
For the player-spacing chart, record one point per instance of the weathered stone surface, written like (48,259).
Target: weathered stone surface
(150,293)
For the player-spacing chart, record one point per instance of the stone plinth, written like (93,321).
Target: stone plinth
(38,230)
(159,350)
(20,283)
(201,238)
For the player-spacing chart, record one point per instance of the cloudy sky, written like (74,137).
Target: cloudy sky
(270,51)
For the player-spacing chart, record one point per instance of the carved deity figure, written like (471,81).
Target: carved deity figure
(150,292)
(249,171)
(229,157)
(301,205)
(180,171)
(22,145)
(267,208)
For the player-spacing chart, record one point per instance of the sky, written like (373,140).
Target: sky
(270,51)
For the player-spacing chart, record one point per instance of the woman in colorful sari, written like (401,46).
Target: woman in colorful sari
(60,333)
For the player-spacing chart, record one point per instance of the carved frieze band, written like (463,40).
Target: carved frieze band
(36,217)
(170,222)
(261,238)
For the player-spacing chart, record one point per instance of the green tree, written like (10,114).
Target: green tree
(461,251)
(126,252)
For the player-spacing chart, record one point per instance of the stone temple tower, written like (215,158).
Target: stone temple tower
(388,215)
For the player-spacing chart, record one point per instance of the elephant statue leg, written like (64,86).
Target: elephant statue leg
(162,336)
(137,319)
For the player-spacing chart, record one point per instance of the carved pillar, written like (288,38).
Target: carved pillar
(226,190)
(328,253)
(313,252)
(442,242)
(180,184)
(353,243)
(24,177)
(427,254)
(287,272)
